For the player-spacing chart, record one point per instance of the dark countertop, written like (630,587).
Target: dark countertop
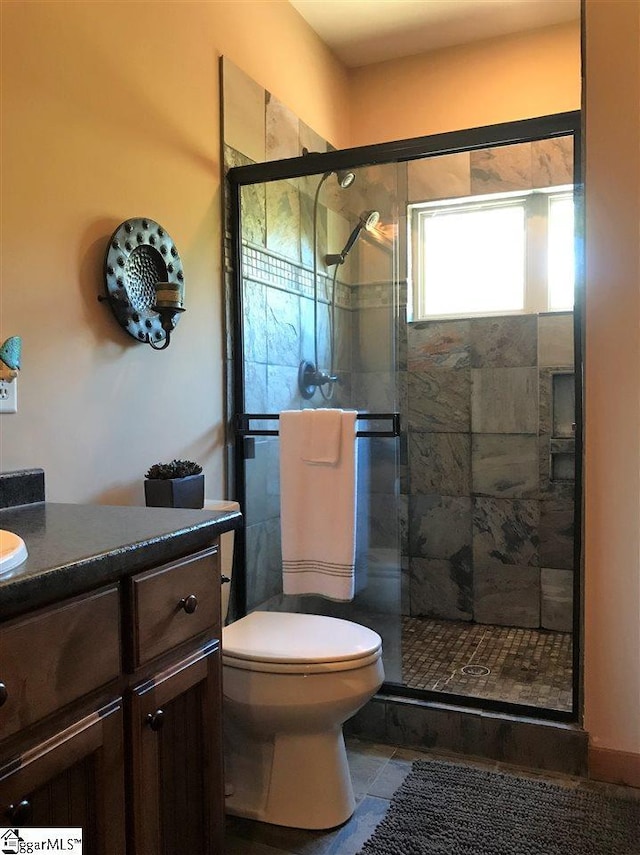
(75,548)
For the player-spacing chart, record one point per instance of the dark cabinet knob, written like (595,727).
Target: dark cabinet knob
(3,694)
(189,604)
(224,579)
(155,719)
(19,813)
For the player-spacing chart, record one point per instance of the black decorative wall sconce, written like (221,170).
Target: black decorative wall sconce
(144,281)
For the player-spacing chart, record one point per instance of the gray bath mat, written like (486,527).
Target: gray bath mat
(449,809)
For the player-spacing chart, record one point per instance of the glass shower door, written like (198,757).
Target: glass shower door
(320,284)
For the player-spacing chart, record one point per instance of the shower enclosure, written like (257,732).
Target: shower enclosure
(467,561)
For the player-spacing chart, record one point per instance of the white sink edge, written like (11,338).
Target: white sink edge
(13,551)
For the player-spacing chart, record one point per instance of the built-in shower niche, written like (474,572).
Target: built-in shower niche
(562,444)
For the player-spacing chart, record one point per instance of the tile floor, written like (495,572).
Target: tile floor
(376,772)
(527,666)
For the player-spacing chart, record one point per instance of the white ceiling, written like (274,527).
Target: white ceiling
(361,32)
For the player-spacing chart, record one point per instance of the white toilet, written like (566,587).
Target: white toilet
(290,681)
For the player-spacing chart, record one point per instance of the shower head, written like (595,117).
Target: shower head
(344,176)
(368,220)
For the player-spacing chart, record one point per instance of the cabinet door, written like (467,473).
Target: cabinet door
(75,778)
(177,785)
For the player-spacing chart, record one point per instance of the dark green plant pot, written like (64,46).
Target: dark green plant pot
(175,492)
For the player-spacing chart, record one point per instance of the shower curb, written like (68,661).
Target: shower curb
(533,743)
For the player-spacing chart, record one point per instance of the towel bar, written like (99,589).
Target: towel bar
(243,428)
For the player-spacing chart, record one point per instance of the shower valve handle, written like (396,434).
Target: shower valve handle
(320,379)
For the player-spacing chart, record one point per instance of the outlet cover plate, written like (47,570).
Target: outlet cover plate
(9,396)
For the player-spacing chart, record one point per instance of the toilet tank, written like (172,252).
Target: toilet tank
(226,550)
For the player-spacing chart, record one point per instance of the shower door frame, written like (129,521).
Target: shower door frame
(401,151)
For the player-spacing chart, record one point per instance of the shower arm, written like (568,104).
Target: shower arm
(310,377)
(315,268)
(315,376)
(332,330)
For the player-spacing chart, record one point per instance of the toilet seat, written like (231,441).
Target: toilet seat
(287,643)
(298,667)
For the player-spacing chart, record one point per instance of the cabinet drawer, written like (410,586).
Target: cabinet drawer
(57,655)
(174,603)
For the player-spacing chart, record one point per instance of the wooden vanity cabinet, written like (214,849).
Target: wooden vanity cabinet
(123,740)
(176,772)
(61,720)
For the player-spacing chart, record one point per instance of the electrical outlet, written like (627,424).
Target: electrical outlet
(9,396)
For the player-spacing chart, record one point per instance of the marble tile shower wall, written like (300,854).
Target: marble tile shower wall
(489,531)
(519,167)
(489,522)
(278,310)
(487,526)
(486,531)
(278,313)
(278,334)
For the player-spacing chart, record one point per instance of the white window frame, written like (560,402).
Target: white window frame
(536,206)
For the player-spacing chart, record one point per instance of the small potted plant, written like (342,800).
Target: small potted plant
(179,484)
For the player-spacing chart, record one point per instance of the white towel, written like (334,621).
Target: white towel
(318,504)
(322,431)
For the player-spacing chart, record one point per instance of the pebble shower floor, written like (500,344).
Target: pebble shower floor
(526,666)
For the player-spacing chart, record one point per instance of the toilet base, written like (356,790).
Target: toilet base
(300,781)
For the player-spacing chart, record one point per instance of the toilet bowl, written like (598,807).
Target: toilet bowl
(289,683)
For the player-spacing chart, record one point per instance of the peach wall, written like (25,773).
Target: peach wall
(612,525)
(274,45)
(111,111)
(498,80)
(116,116)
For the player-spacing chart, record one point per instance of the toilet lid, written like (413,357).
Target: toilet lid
(283,637)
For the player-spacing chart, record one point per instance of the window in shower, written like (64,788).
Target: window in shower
(561,257)
(486,255)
